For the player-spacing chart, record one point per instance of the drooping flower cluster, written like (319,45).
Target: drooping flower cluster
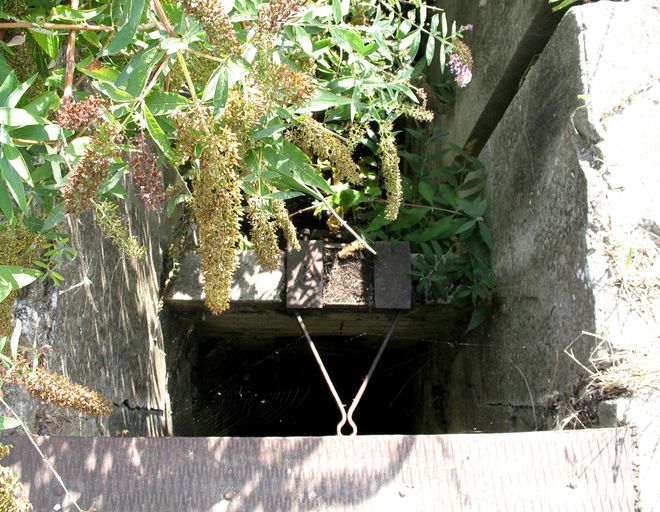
(263,235)
(356,133)
(73,115)
(91,170)
(284,222)
(146,175)
(461,62)
(271,17)
(12,498)
(243,112)
(55,389)
(109,220)
(417,112)
(351,249)
(216,199)
(389,167)
(218,27)
(283,85)
(316,140)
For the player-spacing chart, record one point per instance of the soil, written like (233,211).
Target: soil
(347,280)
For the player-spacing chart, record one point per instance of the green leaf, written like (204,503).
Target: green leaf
(291,162)
(8,84)
(56,215)
(19,117)
(17,93)
(426,191)
(324,100)
(443,228)
(112,181)
(468,225)
(17,277)
(157,133)
(137,72)
(62,12)
(336,11)
(16,160)
(484,231)
(430,50)
(303,40)
(13,181)
(41,104)
(5,202)
(49,43)
(171,204)
(103,73)
(217,88)
(161,103)
(126,32)
(38,132)
(479,315)
(113,93)
(7,423)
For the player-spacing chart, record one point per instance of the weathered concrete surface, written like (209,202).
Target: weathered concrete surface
(103,329)
(572,194)
(505,39)
(581,471)
(251,282)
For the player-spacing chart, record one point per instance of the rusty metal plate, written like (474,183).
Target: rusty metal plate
(392,285)
(534,472)
(304,269)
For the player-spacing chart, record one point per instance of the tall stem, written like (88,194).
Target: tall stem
(70,61)
(182,62)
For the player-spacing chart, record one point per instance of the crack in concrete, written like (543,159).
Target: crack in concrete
(152,411)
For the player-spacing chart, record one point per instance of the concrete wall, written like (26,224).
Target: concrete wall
(102,326)
(572,193)
(505,39)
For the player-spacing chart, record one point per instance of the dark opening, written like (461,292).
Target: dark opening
(274,387)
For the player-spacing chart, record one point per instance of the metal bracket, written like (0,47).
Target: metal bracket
(347,417)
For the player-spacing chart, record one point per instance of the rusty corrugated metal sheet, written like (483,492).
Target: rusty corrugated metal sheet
(533,472)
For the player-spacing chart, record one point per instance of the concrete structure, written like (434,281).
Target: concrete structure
(572,187)
(507,37)
(103,330)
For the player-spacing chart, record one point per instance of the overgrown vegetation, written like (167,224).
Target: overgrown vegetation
(255,103)
(281,99)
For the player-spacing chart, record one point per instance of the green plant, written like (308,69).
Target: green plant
(562,4)
(442,217)
(244,98)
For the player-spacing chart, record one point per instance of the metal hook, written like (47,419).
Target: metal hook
(348,417)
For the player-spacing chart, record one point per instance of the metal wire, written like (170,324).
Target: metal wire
(326,376)
(348,417)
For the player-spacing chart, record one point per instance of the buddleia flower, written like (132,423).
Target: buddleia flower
(389,168)
(316,140)
(55,389)
(284,222)
(461,62)
(263,235)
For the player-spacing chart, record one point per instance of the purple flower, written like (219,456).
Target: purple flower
(467,27)
(460,70)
